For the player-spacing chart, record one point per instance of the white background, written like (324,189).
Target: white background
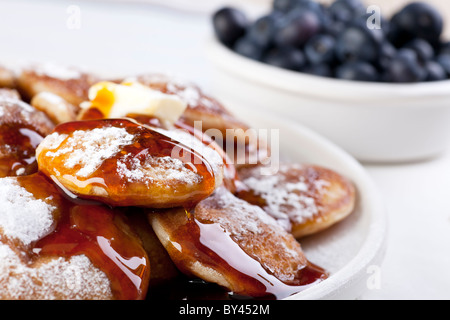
(118,38)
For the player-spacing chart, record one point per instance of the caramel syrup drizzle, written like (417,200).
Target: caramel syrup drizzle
(215,248)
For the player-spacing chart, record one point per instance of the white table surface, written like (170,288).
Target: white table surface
(133,38)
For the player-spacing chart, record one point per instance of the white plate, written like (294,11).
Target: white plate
(352,250)
(349,249)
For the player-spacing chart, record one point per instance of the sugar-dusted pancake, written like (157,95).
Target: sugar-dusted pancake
(70,83)
(228,241)
(200,106)
(123,163)
(22,128)
(304,199)
(53,248)
(55,107)
(7,78)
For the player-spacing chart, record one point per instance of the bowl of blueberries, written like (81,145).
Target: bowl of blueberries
(377,85)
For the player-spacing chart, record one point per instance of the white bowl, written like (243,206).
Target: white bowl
(374,122)
(352,250)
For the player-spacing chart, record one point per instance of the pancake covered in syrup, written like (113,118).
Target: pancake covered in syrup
(227,241)
(123,163)
(22,128)
(54,248)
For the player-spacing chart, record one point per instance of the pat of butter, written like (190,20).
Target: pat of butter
(118,100)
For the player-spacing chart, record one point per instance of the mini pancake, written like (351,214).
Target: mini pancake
(201,107)
(55,107)
(227,241)
(22,128)
(71,84)
(304,199)
(9,93)
(7,78)
(52,248)
(123,163)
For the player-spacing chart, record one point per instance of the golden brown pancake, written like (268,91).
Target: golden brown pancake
(9,93)
(304,199)
(123,163)
(53,248)
(228,241)
(55,107)
(71,84)
(22,128)
(7,78)
(201,107)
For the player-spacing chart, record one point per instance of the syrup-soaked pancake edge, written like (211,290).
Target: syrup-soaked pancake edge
(227,241)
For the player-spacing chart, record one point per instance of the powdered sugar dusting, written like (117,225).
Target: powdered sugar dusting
(9,103)
(23,217)
(57,71)
(74,279)
(288,202)
(213,158)
(175,84)
(162,171)
(88,149)
(242,215)
(256,232)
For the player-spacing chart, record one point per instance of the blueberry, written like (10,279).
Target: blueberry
(288,5)
(298,27)
(444,61)
(435,71)
(357,42)
(283,5)
(444,48)
(346,10)
(310,5)
(405,67)
(229,24)
(386,54)
(286,58)
(320,49)
(322,70)
(248,48)
(417,20)
(423,49)
(357,71)
(334,28)
(262,31)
